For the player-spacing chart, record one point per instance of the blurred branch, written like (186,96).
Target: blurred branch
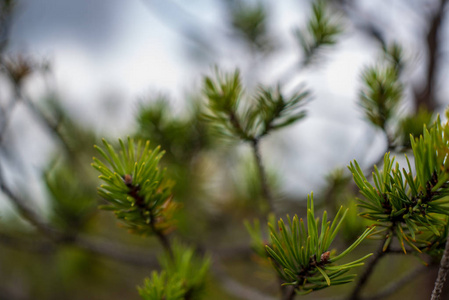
(397,285)
(266,192)
(27,213)
(6,114)
(111,250)
(355,294)
(104,248)
(52,126)
(426,96)
(115,251)
(235,288)
(23,244)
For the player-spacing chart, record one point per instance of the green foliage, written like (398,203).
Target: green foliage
(322,30)
(249,121)
(380,94)
(404,205)
(135,187)
(302,255)
(183,277)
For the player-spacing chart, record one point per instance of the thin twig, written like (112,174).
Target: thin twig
(6,116)
(397,285)
(235,288)
(27,213)
(53,127)
(266,192)
(163,239)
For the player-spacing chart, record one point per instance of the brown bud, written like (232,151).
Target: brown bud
(325,257)
(128,179)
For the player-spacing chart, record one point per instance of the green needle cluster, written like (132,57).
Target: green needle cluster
(302,255)
(135,186)
(412,203)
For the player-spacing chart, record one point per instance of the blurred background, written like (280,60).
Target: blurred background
(74,72)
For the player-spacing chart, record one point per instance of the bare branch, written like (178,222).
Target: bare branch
(397,285)
(235,288)
(262,174)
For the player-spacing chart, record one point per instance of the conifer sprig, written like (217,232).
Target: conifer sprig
(406,203)
(234,117)
(322,30)
(135,186)
(302,256)
(274,111)
(380,94)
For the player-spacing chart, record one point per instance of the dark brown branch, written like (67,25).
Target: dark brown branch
(355,295)
(442,274)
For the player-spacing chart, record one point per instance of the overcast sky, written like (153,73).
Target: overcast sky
(115,52)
